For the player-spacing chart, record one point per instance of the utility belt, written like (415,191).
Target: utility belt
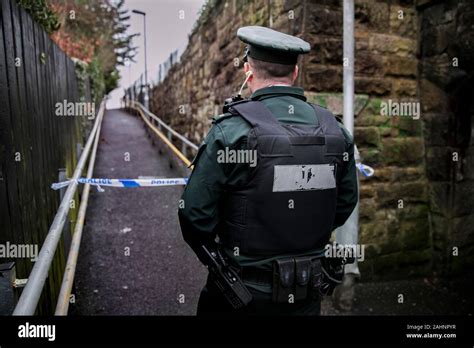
(297,278)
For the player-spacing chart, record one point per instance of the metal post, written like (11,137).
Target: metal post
(146,64)
(348,234)
(62,176)
(8,292)
(348,63)
(145,97)
(184,149)
(147,92)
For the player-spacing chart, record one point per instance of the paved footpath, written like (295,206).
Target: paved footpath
(160,267)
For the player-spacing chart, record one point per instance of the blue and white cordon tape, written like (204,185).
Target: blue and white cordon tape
(128,183)
(132,183)
(365,169)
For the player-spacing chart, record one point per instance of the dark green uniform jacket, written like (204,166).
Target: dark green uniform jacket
(209,180)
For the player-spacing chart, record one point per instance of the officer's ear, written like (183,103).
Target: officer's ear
(246,67)
(248,70)
(295,74)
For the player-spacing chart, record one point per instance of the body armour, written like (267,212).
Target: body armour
(288,203)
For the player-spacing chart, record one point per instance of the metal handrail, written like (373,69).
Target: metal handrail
(31,294)
(168,128)
(62,305)
(167,140)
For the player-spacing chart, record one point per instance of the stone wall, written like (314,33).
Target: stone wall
(395,211)
(447,96)
(210,68)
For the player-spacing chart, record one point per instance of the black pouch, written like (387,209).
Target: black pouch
(303,276)
(283,280)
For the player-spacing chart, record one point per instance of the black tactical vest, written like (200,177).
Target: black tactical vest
(288,204)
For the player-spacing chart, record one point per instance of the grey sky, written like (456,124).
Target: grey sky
(166,32)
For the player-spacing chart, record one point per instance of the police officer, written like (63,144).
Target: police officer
(272,179)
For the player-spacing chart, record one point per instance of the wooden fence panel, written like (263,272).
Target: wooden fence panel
(34,142)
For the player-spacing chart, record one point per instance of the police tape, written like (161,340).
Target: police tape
(127,183)
(365,169)
(156,182)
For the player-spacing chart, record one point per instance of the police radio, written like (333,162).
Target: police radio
(226,279)
(231,101)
